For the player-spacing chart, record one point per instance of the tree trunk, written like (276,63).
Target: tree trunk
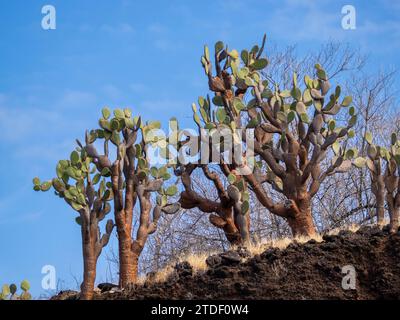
(302,224)
(394,212)
(242,222)
(225,221)
(380,214)
(394,219)
(135,267)
(126,260)
(300,217)
(89,266)
(380,201)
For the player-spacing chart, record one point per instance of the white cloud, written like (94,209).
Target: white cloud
(157,28)
(20,219)
(112,91)
(76,99)
(138,87)
(124,28)
(298,21)
(156,109)
(18,125)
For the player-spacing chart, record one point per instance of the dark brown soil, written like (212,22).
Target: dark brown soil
(301,271)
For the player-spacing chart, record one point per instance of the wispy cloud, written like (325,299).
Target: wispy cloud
(10,213)
(124,28)
(157,28)
(76,99)
(161,37)
(112,91)
(20,219)
(138,87)
(161,108)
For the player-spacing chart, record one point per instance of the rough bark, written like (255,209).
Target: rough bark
(379,192)
(394,213)
(301,223)
(89,262)
(126,261)
(89,273)
(394,220)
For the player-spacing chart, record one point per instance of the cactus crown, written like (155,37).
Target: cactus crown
(9,292)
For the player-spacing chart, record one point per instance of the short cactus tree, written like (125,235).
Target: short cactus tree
(9,292)
(392,182)
(373,161)
(384,166)
(84,188)
(133,181)
(296,130)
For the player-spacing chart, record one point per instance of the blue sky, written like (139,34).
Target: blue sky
(140,54)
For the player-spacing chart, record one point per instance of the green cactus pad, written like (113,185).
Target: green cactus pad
(106,113)
(171,190)
(13,288)
(25,285)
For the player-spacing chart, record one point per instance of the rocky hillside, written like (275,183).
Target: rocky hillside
(312,270)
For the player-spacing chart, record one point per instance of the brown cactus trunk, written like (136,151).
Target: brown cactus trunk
(126,260)
(394,220)
(302,224)
(226,222)
(394,212)
(379,191)
(89,264)
(135,267)
(380,214)
(300,217)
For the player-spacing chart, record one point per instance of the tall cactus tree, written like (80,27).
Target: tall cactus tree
(133,180)
(84,189)
(230,212)
(297,131)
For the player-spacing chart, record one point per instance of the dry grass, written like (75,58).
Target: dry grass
(281,244)
(163,274)
(352,227)
(198,260)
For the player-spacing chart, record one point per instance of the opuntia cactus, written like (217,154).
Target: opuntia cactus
(81,182)
(295,131)
(392,182)
(373,161)
(25,286)
(384,167)
(132,178)
(9,292)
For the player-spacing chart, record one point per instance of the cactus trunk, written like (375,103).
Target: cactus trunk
(379,192)
(135,267)
(89,263)
(394,212)
(380,214)
(300,218)
(302,224)
(394,219)
(126,261)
